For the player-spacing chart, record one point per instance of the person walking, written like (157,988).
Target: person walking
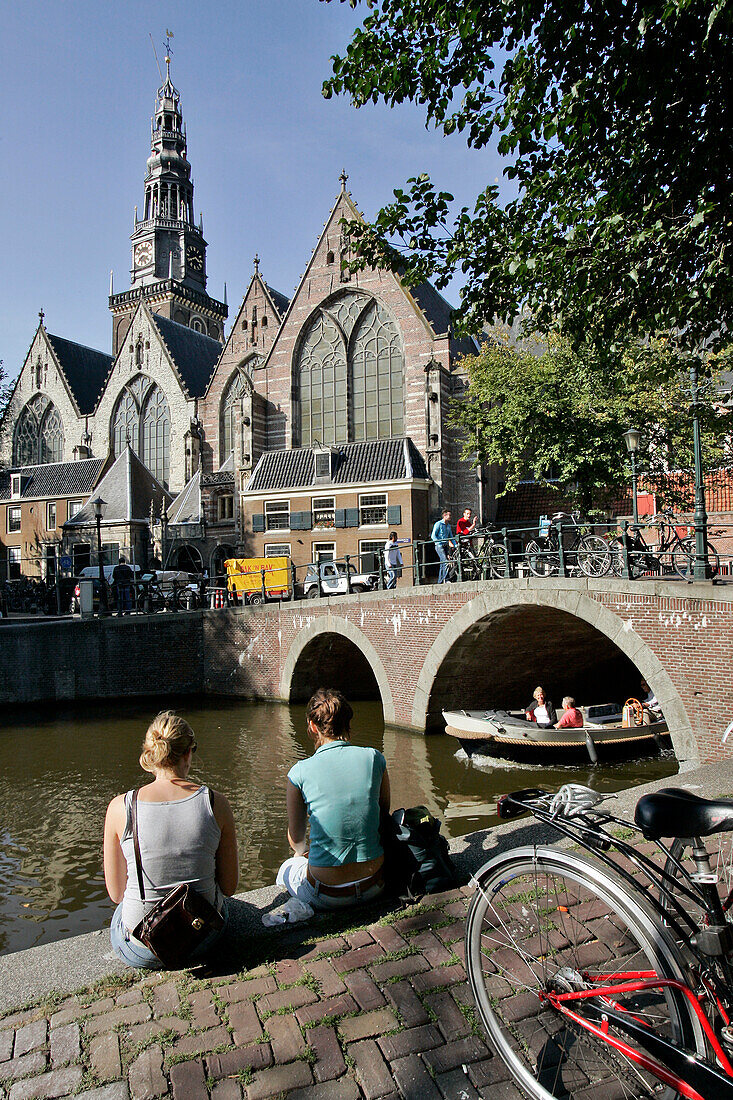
(393,558)
(442,536)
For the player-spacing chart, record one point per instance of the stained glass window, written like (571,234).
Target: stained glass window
(142,418)
(156,427)
(52,436)
(349,373)
(25,439)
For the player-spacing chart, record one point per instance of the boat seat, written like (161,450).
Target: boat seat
(673,812)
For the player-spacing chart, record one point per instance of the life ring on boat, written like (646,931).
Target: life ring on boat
(633,713)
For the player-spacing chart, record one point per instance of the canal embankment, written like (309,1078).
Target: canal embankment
(79,962)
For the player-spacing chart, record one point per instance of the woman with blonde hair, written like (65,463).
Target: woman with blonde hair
(185,832)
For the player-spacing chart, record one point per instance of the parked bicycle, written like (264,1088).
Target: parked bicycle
(588,553)
(610,976)
(671,554)
(482,555)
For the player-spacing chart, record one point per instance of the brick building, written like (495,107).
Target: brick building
(353,375)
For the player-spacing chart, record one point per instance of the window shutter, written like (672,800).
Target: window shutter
(340,517)
(394,515)
(258,522)
(351,517)
(300,521)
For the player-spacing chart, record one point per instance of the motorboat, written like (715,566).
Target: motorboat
(605,725)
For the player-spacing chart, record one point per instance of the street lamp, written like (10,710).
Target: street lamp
(701,570)
(99,505)
(632,438)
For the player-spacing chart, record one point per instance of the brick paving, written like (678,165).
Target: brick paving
(380,1012)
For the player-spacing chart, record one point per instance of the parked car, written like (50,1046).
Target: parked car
(333,580)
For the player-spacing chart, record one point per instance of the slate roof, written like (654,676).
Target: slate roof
(280,301)
(186,508)
(381,460)
(438,312)
(85,370)
(194,354)
(127,489)
(54,479)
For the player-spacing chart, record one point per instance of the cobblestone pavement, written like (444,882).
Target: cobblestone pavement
(381,1011)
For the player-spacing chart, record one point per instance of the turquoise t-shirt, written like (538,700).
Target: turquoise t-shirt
(340,786)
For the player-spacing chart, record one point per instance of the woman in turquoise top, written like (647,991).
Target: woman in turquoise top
(341,790)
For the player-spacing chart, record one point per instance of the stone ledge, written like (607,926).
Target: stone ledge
(78,962)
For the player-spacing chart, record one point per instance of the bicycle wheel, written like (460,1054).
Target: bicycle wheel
(594,556)
(543,920)
(496,560)
(683,559)
(542,558)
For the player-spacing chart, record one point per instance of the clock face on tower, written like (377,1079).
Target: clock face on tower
(194,258)
(143,253)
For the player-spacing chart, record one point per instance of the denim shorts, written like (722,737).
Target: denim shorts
(134,953)
(292,875)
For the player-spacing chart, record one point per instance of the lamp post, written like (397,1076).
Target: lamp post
(632,437)
(163,530)
(701,570)
(98,510)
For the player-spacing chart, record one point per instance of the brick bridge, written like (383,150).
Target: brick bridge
(488,643)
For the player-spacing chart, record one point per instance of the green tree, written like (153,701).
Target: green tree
(615,121)
(564,412)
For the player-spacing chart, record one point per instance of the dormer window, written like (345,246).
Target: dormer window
(16,486)
(323,465)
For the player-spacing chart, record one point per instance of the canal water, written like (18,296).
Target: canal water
(60,766)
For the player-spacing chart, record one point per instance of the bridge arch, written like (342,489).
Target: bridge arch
(333,636)
(569,617)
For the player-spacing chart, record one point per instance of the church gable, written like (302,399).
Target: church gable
(324,352)
(42,422)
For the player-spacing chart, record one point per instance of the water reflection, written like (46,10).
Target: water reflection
(59,770)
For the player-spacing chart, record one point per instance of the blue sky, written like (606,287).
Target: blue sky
(77,88)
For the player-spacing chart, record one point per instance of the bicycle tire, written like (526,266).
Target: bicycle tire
(544,918)
(542,561)
(683,559)
(496,559)
(594,556)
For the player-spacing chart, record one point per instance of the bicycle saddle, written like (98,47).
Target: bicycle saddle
(673,812)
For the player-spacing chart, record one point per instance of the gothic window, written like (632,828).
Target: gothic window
(156,427)
(52,436)
(39,433)
(142,419)
(321,378)
(376,376)
(349,373)
(25,440)
(232,396)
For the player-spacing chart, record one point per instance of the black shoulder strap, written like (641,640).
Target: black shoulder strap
(136,846)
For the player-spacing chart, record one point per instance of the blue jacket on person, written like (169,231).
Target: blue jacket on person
(442,532)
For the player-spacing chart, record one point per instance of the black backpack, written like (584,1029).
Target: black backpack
(416,856)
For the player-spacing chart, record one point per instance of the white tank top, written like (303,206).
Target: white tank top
(178,843)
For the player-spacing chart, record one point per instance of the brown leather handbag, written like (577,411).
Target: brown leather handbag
(179,922)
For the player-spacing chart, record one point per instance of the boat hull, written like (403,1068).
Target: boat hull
(503,728)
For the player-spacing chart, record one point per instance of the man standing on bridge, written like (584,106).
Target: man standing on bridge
(442,535)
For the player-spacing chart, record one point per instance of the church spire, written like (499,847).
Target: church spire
(167,246)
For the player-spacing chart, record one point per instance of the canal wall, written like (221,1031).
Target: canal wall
(46,661)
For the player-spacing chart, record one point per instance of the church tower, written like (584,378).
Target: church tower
(168,248)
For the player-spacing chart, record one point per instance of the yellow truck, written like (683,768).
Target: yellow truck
(253,580)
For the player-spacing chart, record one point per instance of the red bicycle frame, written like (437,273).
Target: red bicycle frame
(606,989)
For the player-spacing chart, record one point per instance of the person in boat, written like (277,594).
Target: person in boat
(186,834)
(653,711)
(342,789)
(571,717)
(541,710)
